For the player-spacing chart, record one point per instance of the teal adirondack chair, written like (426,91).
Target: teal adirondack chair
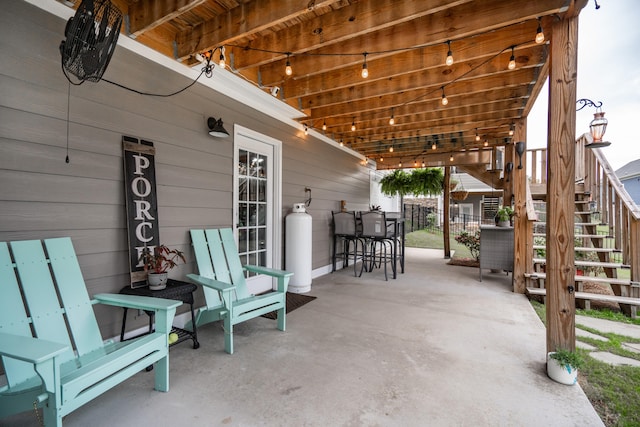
(42,367)
(222,277)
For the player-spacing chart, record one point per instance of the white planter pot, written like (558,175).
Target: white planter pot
(564,374)
(157,281)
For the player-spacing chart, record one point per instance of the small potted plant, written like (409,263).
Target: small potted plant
(563,365)
(157,263)
(503,216)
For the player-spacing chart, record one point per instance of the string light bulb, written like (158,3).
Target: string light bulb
(445,101)
(341,143)
(434,146)
(539,33)
(415,163)
(422,162)
(365,71)
(392,121)
(222,60)
(485,143)
(449,60)
(451,158)
(353,125)
(287,68)
(511,129)
(391,149)
(324,125)
(381,159)
(512,60)
(400,164)
(477,135)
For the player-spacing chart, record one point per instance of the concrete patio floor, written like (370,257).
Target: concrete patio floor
(435,347)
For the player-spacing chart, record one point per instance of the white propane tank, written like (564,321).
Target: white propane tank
(298,249)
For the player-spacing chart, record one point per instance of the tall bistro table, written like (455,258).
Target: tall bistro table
(177,290)
(396,220)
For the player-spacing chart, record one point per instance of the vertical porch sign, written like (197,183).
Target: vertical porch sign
(141,202)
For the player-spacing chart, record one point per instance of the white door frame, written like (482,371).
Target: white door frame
(274,226)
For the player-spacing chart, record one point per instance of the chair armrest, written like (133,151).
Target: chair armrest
(210,283)
(268,271)
(137,302)
(29,349)
(281,275)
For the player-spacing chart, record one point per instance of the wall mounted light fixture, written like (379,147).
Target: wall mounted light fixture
(598,125)
(507,169)
(216,129)
(520,151)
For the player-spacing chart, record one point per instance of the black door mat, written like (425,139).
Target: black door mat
(293,301)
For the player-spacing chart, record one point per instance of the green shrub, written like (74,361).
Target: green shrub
(471,242)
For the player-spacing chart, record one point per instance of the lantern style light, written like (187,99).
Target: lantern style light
(598,126)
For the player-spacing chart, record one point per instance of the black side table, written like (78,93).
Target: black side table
(177,290)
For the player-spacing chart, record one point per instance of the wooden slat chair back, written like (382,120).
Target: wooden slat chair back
(222,277)
(50,342)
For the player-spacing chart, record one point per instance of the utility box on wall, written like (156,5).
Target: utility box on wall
(298,247)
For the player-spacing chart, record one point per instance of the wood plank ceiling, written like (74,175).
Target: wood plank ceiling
(405,44)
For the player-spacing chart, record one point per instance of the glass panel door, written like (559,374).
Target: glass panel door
(253,173)
(257,203)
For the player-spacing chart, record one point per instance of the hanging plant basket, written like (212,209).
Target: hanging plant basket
(459,194)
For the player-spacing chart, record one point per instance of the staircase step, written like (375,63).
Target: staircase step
(580,236)
(582,249)
(587,249)
(609,280)
(581,263)
(590,296)
(578,224)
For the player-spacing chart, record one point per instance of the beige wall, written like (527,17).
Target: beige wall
(41,196)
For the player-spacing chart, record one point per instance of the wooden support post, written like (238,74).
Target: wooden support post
(445,213)
(561,332)
(522,226)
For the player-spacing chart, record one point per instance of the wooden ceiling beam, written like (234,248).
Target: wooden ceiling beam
(440,159)
(415,87)
(429,115)
(356,20)
(506,116)
(364,110)
(383,65)
(145,15)
(458,22)
(412,64)
(242,21)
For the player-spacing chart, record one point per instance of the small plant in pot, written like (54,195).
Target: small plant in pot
(158,262)
(563,365)
(503,216)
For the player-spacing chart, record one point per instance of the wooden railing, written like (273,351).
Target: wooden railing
(536,160)
(617,209)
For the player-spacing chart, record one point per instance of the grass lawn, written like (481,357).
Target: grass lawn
(425,239)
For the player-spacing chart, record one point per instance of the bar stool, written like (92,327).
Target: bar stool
(346,231)
(379,241)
